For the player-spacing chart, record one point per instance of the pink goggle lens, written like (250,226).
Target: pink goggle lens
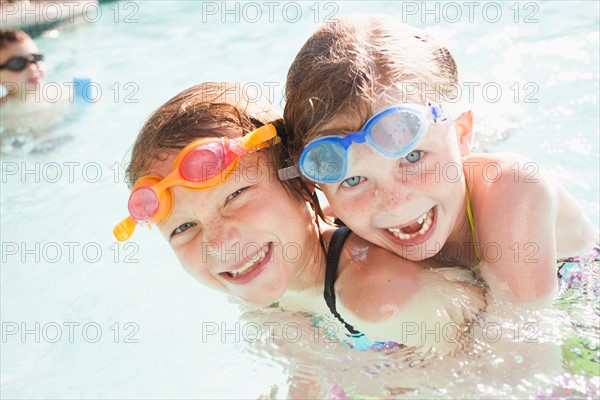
(143,204)
(203,163)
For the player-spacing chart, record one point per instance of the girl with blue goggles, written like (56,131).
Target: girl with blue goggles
(393,132)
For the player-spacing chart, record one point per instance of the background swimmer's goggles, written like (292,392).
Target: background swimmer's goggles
(393,132)
(203,164)
(19,63)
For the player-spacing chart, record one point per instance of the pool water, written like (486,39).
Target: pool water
(85,317)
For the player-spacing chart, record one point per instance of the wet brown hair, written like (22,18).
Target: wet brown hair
(347,64)
(210,109)
(8,36)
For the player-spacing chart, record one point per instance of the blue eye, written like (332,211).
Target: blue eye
(352,181)
(414,156)
(182,228)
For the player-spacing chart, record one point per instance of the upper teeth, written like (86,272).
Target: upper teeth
(254,260)
(425,219)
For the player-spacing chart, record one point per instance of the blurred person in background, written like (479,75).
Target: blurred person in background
(26,113)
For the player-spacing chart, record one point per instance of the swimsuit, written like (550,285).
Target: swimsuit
(571,270)
(580,288)
(577,277)
(472,223)
(355,339)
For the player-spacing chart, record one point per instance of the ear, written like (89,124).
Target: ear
(464,132)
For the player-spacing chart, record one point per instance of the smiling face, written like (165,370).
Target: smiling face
(29,78)
(411,205)
(248,236)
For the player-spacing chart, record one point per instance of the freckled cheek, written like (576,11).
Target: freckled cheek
(193,261)
(354,210)
(201,274)
(248,219)
(431,183)
(198,272)
(396,198)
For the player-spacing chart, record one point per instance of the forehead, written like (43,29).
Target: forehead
(343,122)
(397,95)
(18,49)
(164,166)
(348,121)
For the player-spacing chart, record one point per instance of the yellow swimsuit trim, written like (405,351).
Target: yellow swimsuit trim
(472,223)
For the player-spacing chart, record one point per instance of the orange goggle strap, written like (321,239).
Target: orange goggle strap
(124,229)
(256,140)
(259,137)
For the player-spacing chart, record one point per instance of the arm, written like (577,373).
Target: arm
(392,299)
(516,233)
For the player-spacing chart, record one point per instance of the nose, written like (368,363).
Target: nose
(390,195)
(391,187)
(34,65)
(223,235)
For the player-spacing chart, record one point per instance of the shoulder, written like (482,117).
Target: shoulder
(501,171)
(372,282)
(501,184)
(375,286)
(515,215)
(517,205)
(392,299)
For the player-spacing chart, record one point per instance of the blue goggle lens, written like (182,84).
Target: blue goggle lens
(325,162)
(394,133)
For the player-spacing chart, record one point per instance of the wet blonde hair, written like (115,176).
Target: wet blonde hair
(347,64)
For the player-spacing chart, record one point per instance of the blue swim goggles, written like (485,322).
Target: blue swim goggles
(393,132)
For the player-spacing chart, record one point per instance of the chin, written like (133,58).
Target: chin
(261,298)
(421,252)
(414,256)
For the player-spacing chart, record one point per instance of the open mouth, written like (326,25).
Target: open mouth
(251,267)
(417,231)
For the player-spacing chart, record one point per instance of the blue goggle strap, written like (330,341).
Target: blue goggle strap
(437,112)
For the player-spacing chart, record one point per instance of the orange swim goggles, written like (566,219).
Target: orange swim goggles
(203,164)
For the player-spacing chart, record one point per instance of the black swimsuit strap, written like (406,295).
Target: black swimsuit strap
(336,244)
